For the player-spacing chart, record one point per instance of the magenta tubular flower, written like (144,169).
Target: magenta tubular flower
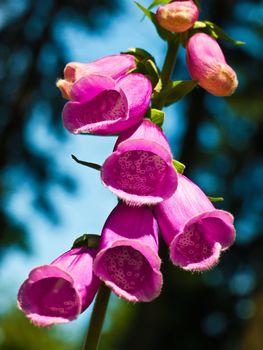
(194,230)
(207,65)
(178,16)
(113,66)
(128,260)
(59,292)
(140,170)
(104,100)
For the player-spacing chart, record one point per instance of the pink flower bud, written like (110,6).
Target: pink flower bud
(178,16)
(59,292)
(113,66)
(207,65)
(194,230)
(140,170)
(128,260)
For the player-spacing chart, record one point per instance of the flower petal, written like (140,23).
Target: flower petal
(199,245)
(128,260)
(140,170)
(48,297)
(59,292)
(107,108)
(88,87)
(114,65)
(138,90)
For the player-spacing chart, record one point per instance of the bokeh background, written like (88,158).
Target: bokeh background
(47,200)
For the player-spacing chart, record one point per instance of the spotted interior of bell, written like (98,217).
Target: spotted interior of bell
(53,297)
(192,246)
(139,172)
(108,105)
(127,268)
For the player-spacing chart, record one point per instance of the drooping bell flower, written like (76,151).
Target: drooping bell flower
(177,16)
(140,169)
(194,230)
(113,66)
(207,65)
(128,260)
(105,102)
(59,292)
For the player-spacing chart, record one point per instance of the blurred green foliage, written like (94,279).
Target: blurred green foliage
(16,333)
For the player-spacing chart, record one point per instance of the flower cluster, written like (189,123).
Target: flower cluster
(108,97)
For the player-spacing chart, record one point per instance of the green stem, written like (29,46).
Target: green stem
(170,59)
(167,69)
(97,318)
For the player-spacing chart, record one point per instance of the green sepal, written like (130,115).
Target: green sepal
(164,34)
(154,75)
(215,199)
(87,240)
(215,31)
(88,164)
(158,2)
(156,116)
(139,53)
(179,167)
(176,90)
(145,64)
(199,24)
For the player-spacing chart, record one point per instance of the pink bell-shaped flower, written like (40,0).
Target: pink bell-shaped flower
(140,170)
(177,16)
(194,230)
(113,66)
(104,99)
(128,260)
(207,65)
(59,292)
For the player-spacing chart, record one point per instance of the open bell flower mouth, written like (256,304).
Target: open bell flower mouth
(103,98)
(207,65)
(194,230)
(140,170)
(128,260)
(178,16)
(59,292)
(113,66)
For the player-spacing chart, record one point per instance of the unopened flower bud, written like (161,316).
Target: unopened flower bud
(207,65)
(177,16)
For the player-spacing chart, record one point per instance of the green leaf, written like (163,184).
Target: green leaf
(158,2)
(179,167)
(164,34)
(87,240)
(217,32)
(145,64)
(88,164)
(176,90)
(139,53)
(215,199)
(156,116)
